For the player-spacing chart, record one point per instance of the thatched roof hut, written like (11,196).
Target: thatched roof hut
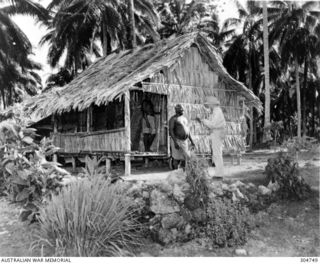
(110,77)
(100,110)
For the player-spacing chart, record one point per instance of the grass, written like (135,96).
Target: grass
(89,218)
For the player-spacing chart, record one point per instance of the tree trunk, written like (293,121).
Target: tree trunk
(252,125)
(313,111)
(104,36)
(303,97)
(10,97)
(77,63)
(132,24)
(251,128)
(3,98)
(106,41)
(266,133)
(298,99)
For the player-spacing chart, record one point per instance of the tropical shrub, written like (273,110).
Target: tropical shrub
(225,222)
(89,218)
(228,223)
(26,175)
(295,145)
(284,170)
(93,168)
(197,177)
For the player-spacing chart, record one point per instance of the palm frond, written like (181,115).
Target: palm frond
(147,8)
(309,5)
(27,7)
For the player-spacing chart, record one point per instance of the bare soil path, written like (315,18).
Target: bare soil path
(15,237)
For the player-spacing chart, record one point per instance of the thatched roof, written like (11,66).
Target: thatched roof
(109,77)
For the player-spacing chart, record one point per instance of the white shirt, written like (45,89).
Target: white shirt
(216,120)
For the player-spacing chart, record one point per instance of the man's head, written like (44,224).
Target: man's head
(211,102)
(179,109)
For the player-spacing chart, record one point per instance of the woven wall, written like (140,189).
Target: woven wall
(191,81)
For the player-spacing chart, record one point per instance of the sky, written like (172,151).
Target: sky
(35,31)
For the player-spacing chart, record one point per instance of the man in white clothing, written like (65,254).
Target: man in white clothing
(216,124)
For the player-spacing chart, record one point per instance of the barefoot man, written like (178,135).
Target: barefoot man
(179,133)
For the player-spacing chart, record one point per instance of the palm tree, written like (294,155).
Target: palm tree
(221,36)
(100,19)
(291,28)
(244,59)
(70,32)
(61,78)
(266,73)
(17,74)
(181,16)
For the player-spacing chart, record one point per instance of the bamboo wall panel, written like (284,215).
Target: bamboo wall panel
(102,141)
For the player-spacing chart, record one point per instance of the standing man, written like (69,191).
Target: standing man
(216,125)
(180,133)
(148,125)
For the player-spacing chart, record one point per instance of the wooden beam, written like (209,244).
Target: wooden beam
(190,86)
(127,121)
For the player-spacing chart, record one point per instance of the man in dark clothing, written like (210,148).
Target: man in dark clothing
(179,132)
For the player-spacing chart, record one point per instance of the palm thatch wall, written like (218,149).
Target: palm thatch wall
(188,83)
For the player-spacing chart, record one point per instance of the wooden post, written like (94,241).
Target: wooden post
(108,166)
(168,108)
(86,161)
(88,118)
(55,130)
(127,164)
(73,162)
(127,122)
(251,127)
(146,162)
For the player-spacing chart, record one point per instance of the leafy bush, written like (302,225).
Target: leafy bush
(256,201)
(89,218)
(26,175)
(197,177)
(228,223)
(284,170)
(295,145)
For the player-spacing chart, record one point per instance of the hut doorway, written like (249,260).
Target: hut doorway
(149,131)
